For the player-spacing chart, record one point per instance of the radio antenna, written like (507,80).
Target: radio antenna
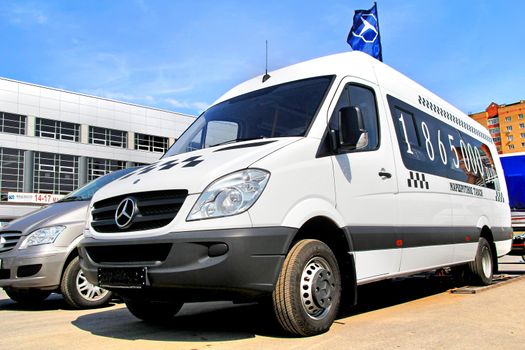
(266,75)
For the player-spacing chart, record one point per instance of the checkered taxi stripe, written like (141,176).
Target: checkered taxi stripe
(417,180)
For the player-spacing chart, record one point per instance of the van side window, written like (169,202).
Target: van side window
(364,98)
(430,145)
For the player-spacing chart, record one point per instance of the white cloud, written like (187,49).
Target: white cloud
(200,106)
(20,14)
(120,96)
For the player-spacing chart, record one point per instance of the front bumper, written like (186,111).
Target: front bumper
(35,267)
(195,265)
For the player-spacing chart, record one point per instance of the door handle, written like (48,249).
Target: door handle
(384,174)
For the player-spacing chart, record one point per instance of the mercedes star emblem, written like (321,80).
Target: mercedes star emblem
(125,213)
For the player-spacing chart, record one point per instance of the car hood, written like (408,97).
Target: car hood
(60,213)
(193,171)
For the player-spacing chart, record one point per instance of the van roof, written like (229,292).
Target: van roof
(363,66)
(337,64)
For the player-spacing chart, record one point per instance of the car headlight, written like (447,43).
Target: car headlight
(230,195)
(43,235)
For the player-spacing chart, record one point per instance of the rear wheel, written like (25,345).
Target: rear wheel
(27,296)
(153,311)
(78,292)
(308,292)
(481,269)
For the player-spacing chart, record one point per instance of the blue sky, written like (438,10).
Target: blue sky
(182,55)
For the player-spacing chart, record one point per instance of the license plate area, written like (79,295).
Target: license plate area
(123,277)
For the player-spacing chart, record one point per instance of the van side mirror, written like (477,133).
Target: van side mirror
(352,134)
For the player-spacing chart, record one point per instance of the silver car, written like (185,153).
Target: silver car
(38,252)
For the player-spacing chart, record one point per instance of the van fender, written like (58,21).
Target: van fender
(309,208)
(483,221)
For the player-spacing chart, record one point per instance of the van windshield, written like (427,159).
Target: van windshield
(87,191)
(278,111)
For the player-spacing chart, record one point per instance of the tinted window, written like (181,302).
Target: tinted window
(88,190)
(364,98)
(278,111)
(432,146)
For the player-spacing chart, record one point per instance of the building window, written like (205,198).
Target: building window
(523,144)
(11,170)
(522,125)
(98,167)
(508,119)
(55,173)
(58,130)
(12,123)
(108,137)
(151,143)
(511,146)
(492,121)
(497,139)
(520,116)
(522,135)
(494,131)
(509,128)
(510,138)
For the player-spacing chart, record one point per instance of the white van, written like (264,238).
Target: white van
(330,174)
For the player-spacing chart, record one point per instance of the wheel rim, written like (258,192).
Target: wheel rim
(317,288)
(486,262)
(87,290)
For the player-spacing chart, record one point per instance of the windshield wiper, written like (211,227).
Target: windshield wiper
(238,140)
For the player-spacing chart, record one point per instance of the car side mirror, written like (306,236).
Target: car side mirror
(352,134)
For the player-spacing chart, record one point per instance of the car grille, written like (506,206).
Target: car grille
(10,239)
(155,209)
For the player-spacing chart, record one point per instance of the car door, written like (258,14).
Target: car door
(425,146)
(365,184)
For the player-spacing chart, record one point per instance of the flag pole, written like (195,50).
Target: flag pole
(379,34)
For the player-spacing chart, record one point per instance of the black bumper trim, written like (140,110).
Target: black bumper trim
(249,267)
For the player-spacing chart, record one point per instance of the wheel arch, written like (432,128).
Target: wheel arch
(326,230)
(72,254)
(310,208)
(486,233)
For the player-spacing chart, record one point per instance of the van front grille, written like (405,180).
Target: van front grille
(8,240)
(153,210)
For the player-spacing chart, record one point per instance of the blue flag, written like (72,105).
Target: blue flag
(364,35)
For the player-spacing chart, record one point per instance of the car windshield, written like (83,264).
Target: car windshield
(87,191)
(278,111)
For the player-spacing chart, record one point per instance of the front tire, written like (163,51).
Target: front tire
(482,268)
(28,297)
(78,292)
(308,291)
(152,311)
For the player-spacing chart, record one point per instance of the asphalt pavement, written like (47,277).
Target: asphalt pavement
(412,313)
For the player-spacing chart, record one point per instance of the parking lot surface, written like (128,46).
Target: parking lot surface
(413,313)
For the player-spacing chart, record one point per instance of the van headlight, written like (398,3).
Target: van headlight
(43,235)
(230,195)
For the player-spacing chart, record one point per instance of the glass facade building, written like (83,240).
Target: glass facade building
(53,141)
